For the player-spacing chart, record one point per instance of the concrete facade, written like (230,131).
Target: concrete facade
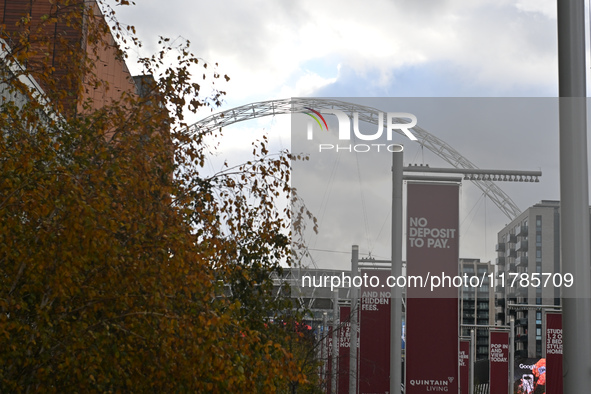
(529,244)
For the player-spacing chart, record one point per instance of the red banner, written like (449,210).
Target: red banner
(374,333)
(499,362)
(432,344)
(464,366)
(553,353)
(344,343)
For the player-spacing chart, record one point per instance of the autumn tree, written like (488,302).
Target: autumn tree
(124,266)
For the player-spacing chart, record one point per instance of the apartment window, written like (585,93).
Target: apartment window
(538,239)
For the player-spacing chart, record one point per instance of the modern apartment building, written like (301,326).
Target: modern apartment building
(529,244)
(477,304)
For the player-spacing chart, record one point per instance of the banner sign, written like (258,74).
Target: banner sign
(499,362)
(464,366)
(344,344)
(374,335)
(553,353)
(530,376)
(432,249)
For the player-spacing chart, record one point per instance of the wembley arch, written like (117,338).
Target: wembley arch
(366,114)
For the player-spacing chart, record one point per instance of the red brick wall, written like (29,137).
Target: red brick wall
(60,43)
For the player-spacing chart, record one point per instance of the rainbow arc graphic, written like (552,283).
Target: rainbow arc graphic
(315,116)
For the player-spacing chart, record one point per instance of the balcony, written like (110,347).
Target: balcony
(511,253)
(511,238)
(521,231)
(521,292)
(521,322)
(500,261)
(468,291)
(521,246)
(521,261)
(483,291)
(500,302)
(499,288)
(499,247)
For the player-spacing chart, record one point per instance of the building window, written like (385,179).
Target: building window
(538,239)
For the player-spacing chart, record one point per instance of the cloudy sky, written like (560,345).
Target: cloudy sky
(390,48)
(397,48)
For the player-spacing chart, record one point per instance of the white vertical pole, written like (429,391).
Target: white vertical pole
(396,271)
(335,344)
(574,204)
(472,360)
(324,349)
(353,315)
(511,354)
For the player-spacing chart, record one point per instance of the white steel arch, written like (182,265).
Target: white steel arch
(366,114)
